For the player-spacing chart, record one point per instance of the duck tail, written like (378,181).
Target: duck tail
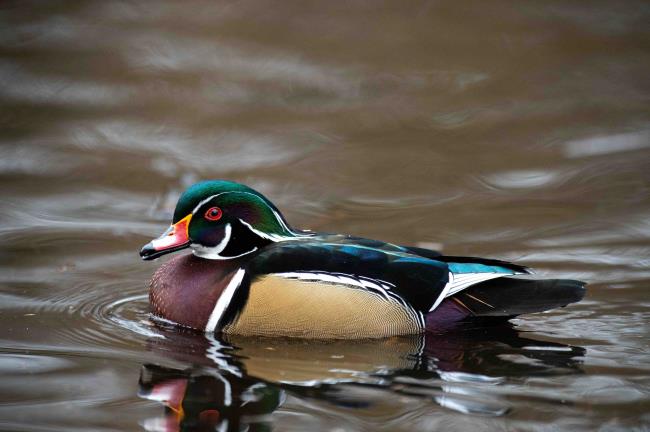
(510,296)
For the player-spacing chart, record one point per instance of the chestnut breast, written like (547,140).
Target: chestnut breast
(186,288)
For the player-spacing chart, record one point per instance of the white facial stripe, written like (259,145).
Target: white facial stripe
(198,206)
(213,252)
(224,301)
(280,221)
(219,194)
(276,214)
(272,237)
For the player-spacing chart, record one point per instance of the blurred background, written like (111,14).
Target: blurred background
(517,130)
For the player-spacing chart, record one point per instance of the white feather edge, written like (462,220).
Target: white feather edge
(459,282)
(462,281)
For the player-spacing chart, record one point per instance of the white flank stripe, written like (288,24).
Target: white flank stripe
(329,278)
(332,278)
(372,287)
(296,275)
(348,280)
(224,300)
(367,284)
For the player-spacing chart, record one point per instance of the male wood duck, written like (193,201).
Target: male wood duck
(251,273)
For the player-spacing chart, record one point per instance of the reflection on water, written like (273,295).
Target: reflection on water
(229,384)
(515,130)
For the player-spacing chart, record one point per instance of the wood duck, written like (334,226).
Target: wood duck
(251,273)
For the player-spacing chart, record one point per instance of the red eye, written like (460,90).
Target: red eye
(213,214)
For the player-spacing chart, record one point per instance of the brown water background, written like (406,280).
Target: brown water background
(517,130)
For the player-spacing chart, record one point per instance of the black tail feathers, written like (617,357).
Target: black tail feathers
(516,295)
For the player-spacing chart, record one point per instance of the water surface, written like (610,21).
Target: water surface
(514,130)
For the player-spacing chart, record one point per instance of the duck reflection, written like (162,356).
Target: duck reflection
(204,399)
(234,383)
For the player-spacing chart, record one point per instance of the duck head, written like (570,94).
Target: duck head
(219,219)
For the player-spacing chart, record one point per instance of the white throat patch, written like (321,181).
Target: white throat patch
(214,252)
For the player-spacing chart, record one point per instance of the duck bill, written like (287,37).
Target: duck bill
(175,238)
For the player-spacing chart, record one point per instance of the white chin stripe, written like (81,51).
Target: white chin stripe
(207,253)
(214,252)
(224,300)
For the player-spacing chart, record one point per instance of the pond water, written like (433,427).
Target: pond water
(514,130)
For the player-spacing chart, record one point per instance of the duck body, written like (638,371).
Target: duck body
(250,274)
